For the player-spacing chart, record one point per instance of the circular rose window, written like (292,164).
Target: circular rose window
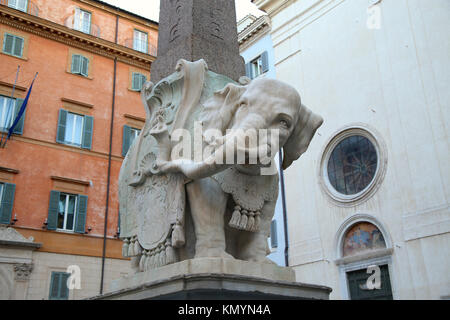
(352,165)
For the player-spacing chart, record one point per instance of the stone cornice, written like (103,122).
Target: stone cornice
(73,38)
(254,31)
(272,7)
(122,13)
(9,170)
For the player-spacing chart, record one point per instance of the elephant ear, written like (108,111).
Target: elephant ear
(307,124)
(221,107)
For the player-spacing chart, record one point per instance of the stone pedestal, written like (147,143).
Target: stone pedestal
(214,279)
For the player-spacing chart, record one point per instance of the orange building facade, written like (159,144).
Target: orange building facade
(59,171)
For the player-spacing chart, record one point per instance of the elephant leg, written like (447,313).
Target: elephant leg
(253,246)
(208,205)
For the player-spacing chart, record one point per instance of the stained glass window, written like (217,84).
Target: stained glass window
(352,165)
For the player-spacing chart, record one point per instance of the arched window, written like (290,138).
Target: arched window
(364,252)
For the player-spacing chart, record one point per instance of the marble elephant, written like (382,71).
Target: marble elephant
(232,205)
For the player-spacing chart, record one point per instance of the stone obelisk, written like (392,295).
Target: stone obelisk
(198,29)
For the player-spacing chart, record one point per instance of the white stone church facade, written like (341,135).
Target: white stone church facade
(373,189)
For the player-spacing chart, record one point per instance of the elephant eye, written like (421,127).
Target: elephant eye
(284,123)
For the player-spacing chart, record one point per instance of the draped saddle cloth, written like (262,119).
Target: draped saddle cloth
(249,192)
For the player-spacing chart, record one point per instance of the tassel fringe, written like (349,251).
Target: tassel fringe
(245,220)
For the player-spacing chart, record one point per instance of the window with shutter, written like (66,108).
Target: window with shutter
(75,129)
(58,286)
(7,191)
(80,65)
(138,80)
(67,212)
(13,45)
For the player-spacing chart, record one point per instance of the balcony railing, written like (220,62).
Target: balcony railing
(31,7)
(93,29)
(141,46)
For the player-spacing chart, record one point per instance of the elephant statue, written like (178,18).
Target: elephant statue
(216,206)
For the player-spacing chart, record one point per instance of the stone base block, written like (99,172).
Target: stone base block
(214,279)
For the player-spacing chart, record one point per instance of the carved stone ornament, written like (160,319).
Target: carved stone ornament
(22,271)
(154,227)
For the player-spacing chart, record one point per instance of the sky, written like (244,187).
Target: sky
(150,8)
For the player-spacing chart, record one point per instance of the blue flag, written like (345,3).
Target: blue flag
(21,111)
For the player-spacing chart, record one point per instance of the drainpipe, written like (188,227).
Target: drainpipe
(109,164)
(283,202)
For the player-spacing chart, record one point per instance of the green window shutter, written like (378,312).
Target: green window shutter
(76,64)
(8,43)
(84,66)
(19,127)
(52,218)
(88,127)
(248,70)
(58,286)
(18,46)
(54,285)
(63,289)
(135,81)
(273,234)
(61,132)
(6,204)
(80,220)
(265,61)
(126,140)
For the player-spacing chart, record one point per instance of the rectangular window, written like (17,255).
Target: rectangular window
(80,65)
(138,80)
(82,21)
(140,41)
(13,45)
(66,211)
(58,286)
(75,129)
(18,4)
(257,66)
(7,112)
